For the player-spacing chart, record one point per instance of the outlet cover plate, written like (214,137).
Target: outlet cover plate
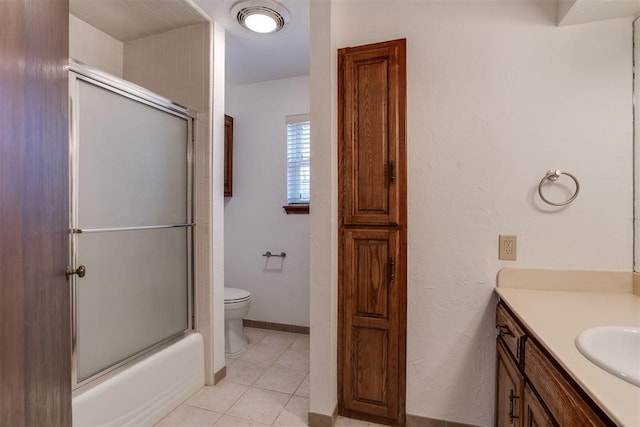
(507,247)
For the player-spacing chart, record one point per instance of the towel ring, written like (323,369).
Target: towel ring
(553,176)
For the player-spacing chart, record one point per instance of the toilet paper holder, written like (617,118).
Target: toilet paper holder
(268,254)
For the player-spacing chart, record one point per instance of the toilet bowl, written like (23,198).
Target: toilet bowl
(236,307)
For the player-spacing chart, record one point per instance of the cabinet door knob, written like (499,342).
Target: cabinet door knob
(512,405)
(392,172)
(504,330)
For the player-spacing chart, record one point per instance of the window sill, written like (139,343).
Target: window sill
(296,209)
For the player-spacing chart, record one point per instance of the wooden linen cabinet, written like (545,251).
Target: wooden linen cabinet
(372,283)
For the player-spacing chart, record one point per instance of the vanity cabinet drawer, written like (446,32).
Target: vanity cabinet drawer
(510,332)
(564,401)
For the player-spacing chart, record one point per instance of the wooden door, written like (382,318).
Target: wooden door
(372,301)
(535,414)
(372,101)
(509,388)
(35,344)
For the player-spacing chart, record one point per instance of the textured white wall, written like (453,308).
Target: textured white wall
(497,95)
(217,94)
(323,265)
(254,219)
(95,48)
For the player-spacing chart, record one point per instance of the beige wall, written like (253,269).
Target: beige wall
(497,95)
(95,48)
(173,64)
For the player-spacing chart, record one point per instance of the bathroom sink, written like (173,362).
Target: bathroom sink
(616,349)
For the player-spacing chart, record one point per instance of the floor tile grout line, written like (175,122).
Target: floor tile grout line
(236,401)
(283,408)
(277,391)
(300,385)
(252,386)
(270,366)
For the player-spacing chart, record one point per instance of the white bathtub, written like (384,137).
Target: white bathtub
(144,393)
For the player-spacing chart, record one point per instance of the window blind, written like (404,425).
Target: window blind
(298,154)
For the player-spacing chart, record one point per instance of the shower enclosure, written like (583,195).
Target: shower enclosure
(131,231)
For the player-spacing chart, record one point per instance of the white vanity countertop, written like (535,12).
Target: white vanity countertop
(556,317)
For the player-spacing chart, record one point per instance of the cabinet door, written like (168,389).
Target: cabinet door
(509,388)
(372,102)
(535,414)
(566,402)
(510,331)
(228,156)
(370,307)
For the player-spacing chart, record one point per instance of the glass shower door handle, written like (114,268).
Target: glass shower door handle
(80,271)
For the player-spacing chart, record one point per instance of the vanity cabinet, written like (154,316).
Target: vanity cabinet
(531,388)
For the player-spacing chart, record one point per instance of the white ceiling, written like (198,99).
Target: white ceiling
(571,12)
(259,57)
(133,19)
(250,57)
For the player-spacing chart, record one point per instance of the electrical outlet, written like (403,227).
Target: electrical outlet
(507,247)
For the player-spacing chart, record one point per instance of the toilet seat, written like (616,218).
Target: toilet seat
(235,295)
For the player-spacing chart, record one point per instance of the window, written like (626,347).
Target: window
(298,165)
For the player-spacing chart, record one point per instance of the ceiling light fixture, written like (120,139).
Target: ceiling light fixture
(261,16)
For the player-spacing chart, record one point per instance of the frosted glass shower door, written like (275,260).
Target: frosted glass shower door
(131,226)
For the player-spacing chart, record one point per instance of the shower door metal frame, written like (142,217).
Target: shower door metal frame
(82,72)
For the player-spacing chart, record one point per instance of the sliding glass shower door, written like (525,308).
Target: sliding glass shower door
(131,223)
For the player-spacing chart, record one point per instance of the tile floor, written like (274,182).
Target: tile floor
(266,385)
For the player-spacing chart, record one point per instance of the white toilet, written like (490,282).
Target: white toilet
(236,307)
